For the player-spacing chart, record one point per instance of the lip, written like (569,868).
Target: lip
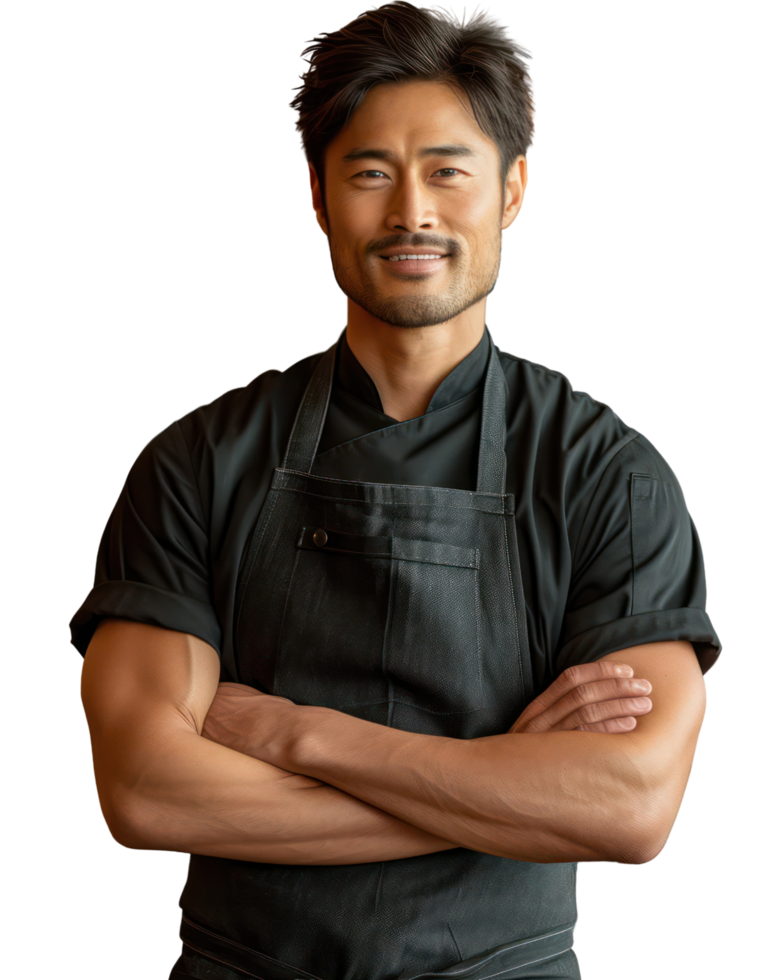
(415,266)
(415,250)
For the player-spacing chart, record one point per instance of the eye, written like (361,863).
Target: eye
(364,172)
(370,174)
(446,172)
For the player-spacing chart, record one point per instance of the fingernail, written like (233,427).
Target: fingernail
(623,671)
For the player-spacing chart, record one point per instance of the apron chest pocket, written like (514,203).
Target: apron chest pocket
(382,627)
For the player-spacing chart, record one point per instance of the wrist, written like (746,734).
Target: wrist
(301,747)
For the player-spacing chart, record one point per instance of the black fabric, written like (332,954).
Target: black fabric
(413,618)
(174,544)
(194,966)
(597,537)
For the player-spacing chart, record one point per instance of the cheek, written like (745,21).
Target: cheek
(353,219)
(476,219)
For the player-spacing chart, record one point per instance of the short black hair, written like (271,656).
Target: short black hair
(399,42)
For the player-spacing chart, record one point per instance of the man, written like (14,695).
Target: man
(440,584)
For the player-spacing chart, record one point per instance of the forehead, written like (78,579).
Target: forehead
(403,117)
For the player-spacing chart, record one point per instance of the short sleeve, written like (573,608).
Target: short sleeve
(638,573)
(153,562)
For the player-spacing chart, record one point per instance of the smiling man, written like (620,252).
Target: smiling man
(392,639)
(414,224)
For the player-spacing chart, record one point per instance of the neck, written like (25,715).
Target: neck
(407,364)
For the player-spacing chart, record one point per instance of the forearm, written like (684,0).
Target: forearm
(193,795)
(561,796)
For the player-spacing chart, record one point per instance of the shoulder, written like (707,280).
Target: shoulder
(570,447)
(549,394)
(239,418)
(544,406)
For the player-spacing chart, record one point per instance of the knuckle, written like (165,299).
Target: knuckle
(582,695)
(590,714)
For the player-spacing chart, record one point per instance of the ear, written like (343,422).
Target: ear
(317,202)
(516,191)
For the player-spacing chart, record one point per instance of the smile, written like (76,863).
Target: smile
(404,258)
(415,263)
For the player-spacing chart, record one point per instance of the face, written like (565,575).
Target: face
(414,205)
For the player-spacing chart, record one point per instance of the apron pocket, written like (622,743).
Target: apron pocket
(382,628)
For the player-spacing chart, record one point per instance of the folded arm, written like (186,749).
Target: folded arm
(558,797)
(545,796)
(204,798)
(146,692)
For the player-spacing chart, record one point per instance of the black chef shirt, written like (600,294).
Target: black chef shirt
(609,555)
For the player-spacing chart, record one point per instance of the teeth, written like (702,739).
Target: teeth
(401,258)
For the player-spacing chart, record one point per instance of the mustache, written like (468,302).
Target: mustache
(420,239)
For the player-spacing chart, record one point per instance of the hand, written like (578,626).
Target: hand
(588,698)
(246,720)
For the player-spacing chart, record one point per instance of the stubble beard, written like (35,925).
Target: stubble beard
(424,306)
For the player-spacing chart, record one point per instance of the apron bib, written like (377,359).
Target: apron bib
(404,606)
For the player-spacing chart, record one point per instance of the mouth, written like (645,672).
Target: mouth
(415,262)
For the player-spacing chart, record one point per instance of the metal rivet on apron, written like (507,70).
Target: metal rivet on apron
(320,538)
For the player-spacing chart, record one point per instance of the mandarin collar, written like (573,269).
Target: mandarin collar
(461,380)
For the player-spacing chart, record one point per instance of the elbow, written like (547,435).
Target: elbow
(652,830)
(642,833)
(647,804)
(128,837)
(123,828)
(654,843)
(640,849)
(120,830)
(122,825)
(644,851)
(653,846)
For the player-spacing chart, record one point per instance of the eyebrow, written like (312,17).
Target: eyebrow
(448,150)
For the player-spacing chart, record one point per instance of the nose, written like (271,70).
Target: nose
(411,207)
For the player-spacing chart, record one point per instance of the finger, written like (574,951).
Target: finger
(615,726)
(604,711)
(600,692)
(561,715)
(574,677)
(592,703)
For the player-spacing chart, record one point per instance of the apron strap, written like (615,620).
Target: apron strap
(309,423)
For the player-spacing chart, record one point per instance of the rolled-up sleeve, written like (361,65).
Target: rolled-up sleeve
(638,574)
(153,562)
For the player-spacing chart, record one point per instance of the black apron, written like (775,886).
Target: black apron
(404,606)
